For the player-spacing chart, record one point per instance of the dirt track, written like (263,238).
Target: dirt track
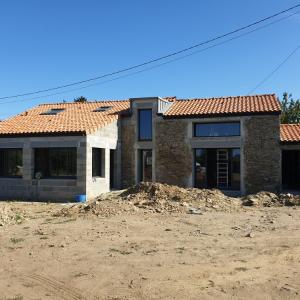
(151,256)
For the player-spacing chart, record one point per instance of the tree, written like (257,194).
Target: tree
(80,99)
(290,109)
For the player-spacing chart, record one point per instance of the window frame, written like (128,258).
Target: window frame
(102,162)
(13,176)
(139,124)
(49,166)
(216,136)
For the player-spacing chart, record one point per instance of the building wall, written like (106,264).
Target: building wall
(173,152)
(29,188)
(173,147)
(262,153)
(107,139)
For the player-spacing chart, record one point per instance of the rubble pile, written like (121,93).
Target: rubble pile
(267,199)
(160,197)
(9,216)
(150,197)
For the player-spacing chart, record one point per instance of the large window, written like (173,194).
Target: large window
(217,129)
(98,160)
(11,162)
(56,162)
(145,124)
(218,168)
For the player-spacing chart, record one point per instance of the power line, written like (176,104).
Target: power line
(275,70)
(156,59)
(158,65)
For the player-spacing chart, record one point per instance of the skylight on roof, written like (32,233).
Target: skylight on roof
(102,108)
(53,111)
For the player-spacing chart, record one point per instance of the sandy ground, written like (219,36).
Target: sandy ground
(151,256)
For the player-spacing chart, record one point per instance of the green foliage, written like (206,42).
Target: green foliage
(80,99)
(290,109)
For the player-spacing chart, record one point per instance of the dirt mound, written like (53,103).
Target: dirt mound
(98,207)
(267,199)
(160,197)
(10,216)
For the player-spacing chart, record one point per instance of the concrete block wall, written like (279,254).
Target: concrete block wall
(106,139)
(29,188)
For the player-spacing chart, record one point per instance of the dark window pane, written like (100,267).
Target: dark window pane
(200,168)
(145,124)
(98,162)
(217,129)
(235,169)
(11,162)
(56,162)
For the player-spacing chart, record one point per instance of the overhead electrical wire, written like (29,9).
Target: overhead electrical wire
(155,66)
(156,59)
(275,70)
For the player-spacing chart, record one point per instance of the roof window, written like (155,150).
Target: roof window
(53,111)
(102,108)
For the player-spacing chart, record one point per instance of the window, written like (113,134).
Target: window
(56,162)
(217,129)
(98,162)
(145,124)
(102,108)
(11,162)
(53,111)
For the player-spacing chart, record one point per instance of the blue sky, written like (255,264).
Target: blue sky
(50,43)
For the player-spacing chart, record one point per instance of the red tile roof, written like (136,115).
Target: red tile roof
(290,133)
(81,117)
(76,118)
(225,105)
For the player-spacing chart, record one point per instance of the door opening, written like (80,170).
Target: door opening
(145,165)
(291,169)
(217,168)
(112,169)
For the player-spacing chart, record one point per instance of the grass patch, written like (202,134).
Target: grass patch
(16,240)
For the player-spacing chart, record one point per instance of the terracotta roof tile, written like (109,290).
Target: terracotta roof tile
(81,117)
(225,105)
(290,133)
(76,118)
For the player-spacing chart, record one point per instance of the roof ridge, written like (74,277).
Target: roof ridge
(87,102)
(226,97)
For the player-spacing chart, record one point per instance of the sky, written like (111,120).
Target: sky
(45,44)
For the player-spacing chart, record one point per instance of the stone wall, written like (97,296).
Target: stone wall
(173,154)
(128,139)
(262,154)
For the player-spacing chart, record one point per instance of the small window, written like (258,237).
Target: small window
(145,124)
(56,162)
(102,108)
(53,111)
(11,162)
(217,129)
(98,162)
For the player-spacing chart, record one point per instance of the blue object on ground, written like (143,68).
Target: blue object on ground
(80,198)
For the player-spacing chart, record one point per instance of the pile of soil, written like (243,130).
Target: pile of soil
(150,197)
(97,207)
(10,216)
(267,199)
(161,198)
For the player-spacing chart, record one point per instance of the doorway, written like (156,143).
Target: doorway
(291,169)
(112,169)
(145,165)
(217,168)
